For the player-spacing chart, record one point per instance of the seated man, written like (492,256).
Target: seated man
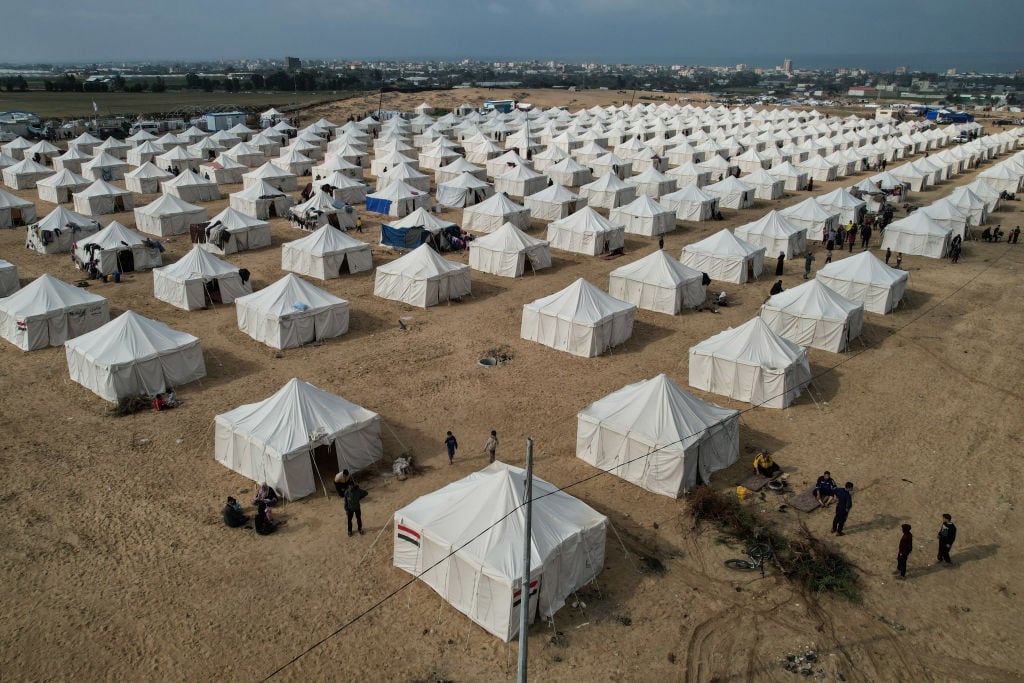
(765,466)
(776,288)
(825,490)
(265,523)
(233,515)
(722,299)
(266,494)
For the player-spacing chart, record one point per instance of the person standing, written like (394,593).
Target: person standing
(808,260)
(491,446)
(888,255)
(452,445)
(359,223)
(780,264)
(844,501)
(353,497)
(906,547)
(851,237)
(947,535)
(661,241)
(899,261)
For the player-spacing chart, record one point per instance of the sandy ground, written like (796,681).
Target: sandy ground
(116,564)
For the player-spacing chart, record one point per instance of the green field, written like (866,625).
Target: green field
(69,105)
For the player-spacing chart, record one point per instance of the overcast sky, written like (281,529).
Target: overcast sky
(980,34)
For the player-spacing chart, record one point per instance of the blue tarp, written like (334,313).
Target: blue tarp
(403,238)
(378,205)
(942,116)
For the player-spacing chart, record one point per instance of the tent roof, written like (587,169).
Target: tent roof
(580,302)
(689,193)
(149,170)
(197,263)
(466,180)
(660,412)
(45,294)
(269,170)
(233,219)
(752,342)
(129,337)
(586,220)
(724,243)
(396,189)
(322,202)
(497,205)
(327,240)
(772,224)
(643,206)
(918,223)
(10,201)
(815,300)
(609,182)
(280,298)
(61,217)
(508,239)
(168,205)
(809,210)
(864,268)
(421,218)
(422,263)
(259,190)
(730,184)
(556,193)
(115,236)
(188,178)
(658,268)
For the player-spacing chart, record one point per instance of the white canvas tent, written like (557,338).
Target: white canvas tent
(146,178)
(60,229)
(553,202)
(168,215)
(9,282)
(422,278)
(653,183)
(104,166)
(191,187)
(323,209)
(644,216)
(343,188)
(750,363)
(48,312)
(580,319)
(290,313)
(776,234)
(56,188)
(325,253)
(811,314)
(134,356)
(586,232)
(232,231)
(261,200)
(15,211)
(507,251)
(464,190)
(919,235)
(397,199)
(102,198)
(493,212)
(520,181)
(849,208)
(466,542)
(658,283)
(866,279)
(25,174)
(723,256)
(608,192)
(277,440)
(657,436)
(795,179)
(812,216)
(116,248)
(691,204)
(268,172)
(766,186)
(732,193)
(198,279)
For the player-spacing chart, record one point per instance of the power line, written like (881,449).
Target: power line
(601,472)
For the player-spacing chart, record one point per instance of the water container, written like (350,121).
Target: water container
(117,276)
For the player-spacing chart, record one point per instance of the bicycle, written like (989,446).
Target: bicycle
(758,553)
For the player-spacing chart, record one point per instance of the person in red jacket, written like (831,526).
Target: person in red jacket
(906,547)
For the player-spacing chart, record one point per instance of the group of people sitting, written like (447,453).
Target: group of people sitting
(266,497)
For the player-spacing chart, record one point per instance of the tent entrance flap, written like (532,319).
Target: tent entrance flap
(324,459)
(125,261)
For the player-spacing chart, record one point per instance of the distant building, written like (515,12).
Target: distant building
(787,66)
(224,120)
(901,71)
(741,67)
(292,63)
(863,91)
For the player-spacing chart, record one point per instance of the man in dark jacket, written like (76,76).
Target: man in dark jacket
(353,496)
(947,535)
(844,501)
(233,515)
(906,547)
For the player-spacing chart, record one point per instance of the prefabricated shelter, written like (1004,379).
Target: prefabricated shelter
(102,198)
(465,541)
(766,186)
(15,211)
(48,312)
(776,234)
(422,278)
(325,254)
(732,193)
(644,216)
(134,356)
(268,172)
(493,212)
(508,251)
(724,256)
(397,199)
(290,313)
(261,200)
(278,440)
(231,231)
(146,178)
(60,229)
(866,279)
(9,282)
(580,319)
(658,436)
(25,174)
(849,208)
(168,215)
(323,209)
(812,216)
(917,234)
(750,363)
(658,283)
(104,166)
(553,202)
(116,248)
(191,187)
(608,192)
(197,280)
(586,232)
(465,190)
(691,204)
(223,171)
(520,181)
(811,314)
(411,231)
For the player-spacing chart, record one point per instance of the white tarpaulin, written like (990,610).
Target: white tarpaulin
(507,251)
(325,253)
(866,279)
(658,283)
(586,232)
(291,312)
(917,234)
(197,279)
(422,278)
(48,312)
(776,234)
(580,319)
(723,256)
(811,314)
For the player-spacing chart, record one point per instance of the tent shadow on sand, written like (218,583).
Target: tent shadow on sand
(644,334)
(361,324)
(825,387)
(913,300)
(486,286)
(224,367)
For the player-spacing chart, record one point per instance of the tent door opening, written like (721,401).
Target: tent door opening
(213,291)
(119,203)
(272,210)
(325,461)
(125,261)
(16,216)
(342,265)
(332,220)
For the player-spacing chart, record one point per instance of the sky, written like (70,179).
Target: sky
(923,34)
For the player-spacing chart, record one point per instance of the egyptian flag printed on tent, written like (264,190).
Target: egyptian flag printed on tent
(48,312)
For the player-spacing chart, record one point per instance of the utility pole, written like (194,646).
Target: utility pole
(524,588)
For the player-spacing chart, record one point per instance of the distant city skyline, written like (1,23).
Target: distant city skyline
(872,34)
